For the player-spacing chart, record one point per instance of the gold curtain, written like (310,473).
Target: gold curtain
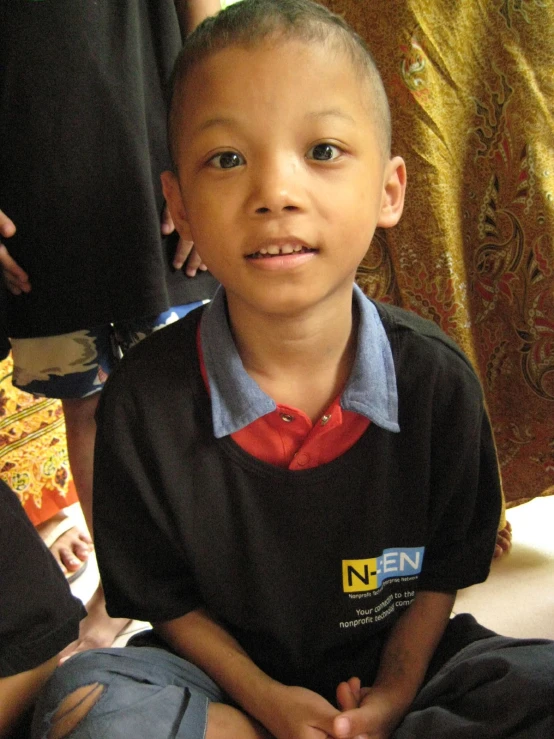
(471,87)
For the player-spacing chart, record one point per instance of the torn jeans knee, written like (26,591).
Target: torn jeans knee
(146,692)
(73,710)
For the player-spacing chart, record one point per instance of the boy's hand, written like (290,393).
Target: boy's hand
(299,713)
(374,713)
(369,713)
(185,251)
(15,278)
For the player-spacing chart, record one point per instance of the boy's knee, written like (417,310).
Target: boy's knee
(74,709)
(226,722)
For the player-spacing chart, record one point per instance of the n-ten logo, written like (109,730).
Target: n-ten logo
(362,575)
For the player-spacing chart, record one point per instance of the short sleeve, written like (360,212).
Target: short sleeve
(144,569)
(466,496)
(38,614)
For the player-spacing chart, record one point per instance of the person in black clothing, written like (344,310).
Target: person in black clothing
(85,242)
(38,614)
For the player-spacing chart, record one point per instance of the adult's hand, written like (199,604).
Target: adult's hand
(185,251)
(15,278)
(192,12)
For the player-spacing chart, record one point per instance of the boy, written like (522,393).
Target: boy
(294,513)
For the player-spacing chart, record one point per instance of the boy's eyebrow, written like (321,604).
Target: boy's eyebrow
(225,121)
(212,122)
(331,113)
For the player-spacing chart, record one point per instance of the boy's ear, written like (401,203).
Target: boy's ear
(174,200)
(394,190)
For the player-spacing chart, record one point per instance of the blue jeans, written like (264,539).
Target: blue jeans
(493,688)
(148,693)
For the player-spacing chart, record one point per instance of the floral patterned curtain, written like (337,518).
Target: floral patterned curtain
(33,451)
(471,86)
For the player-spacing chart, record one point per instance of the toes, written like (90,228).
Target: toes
(503,541)
(71,548)
(81,551)
(68,559)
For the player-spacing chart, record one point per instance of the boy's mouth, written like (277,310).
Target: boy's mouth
(275,250)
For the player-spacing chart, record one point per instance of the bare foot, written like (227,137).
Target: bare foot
(97,630)
(503,541)
(70,546)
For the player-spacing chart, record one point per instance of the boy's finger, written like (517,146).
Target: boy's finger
(346,699)
(356,687)
(351,725)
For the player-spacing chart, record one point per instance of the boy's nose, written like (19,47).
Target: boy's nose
(278,187)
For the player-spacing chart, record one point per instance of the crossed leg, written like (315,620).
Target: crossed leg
(139,692)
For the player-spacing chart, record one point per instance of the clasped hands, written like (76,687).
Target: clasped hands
(363,713)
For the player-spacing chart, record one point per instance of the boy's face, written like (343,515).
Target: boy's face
(281,177)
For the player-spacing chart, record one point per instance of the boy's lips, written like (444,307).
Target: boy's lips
(280,247)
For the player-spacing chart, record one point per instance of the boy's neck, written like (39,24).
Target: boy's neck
(301,361)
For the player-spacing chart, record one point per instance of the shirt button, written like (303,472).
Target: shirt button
(325,418)
(287,418)
(302,459)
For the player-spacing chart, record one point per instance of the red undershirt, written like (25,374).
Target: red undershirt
(286,437)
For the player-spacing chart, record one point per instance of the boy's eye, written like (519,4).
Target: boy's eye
(323,152)
(226,160)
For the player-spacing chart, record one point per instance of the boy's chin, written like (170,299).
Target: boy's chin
(298,303)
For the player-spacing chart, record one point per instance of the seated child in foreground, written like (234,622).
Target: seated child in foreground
(292,483)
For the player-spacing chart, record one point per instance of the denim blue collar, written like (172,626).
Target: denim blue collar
(237,400)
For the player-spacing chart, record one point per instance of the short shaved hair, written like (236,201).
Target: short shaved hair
(250,22)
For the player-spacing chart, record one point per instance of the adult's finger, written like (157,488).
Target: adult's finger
(166,223)
(194,263)
(184,248)
(15,278)
(7,226)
